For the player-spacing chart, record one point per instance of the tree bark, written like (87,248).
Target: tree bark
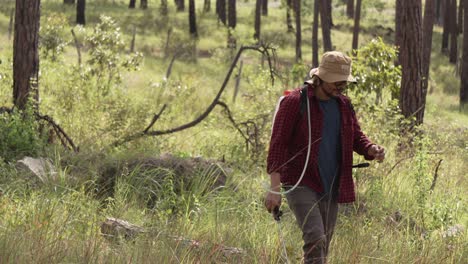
(192,19)
(350,8)
(357,19)
(297,9)
(258,8)
(144,4)
(428,27)
(440,8)
(446,29)
(80,12)
(289,7)
(132,4)
(221,10)
(315,62)
(232,14)
(453,33)
(264,7)
(460,18)
(464,71)
(25,53)
(325,19)
(411,101)
(330,13)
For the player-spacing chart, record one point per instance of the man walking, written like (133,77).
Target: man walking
(335,134)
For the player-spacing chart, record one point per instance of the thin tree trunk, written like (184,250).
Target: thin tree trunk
(132,43)
(330,13)
(132,4)
(350,8)
(192,19)
(80,12)
(232,14)
(77,45)
(325,19)
(357,19)
(264,7)
(460,18)
(258,8)
(10,26)
(453,32)
(315,26)
(163,9)
(446,30)
(143,4)
(25,53)
(398,18)
(69,2)
(180,5)
(411,101)
(440,8)
(297,9)
(207,6)
(289,7)
(464,71)
(221,6)
(428,27)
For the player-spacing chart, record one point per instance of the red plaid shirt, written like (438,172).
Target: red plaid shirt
(289,141)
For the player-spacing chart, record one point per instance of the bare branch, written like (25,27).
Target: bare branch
(59,131)
(228,112)
(155,118)
(260,48)
(435,175)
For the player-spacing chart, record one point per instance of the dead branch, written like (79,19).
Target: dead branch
(435,175)
(67,141)
(77,45)
(228,112)
(155,118)
(263,49)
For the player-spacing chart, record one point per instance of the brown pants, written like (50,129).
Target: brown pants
(316,217)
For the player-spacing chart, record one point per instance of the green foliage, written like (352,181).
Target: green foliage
(373,67)
(52,36)
(20,135)
(105,60)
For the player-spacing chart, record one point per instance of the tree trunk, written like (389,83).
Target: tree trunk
(446,30)
(264,7)
(428,27)
(192,19)
(411,101)
(325,19)
(131,4)
(144,4)
(357,19)
(258,8)
(232,14)
(453,32)
(297,11)
(221,10)
(69,2)
(329,11)
(207,6)
(315,62)
(350,8)
(163,9)
(464,71)
(289,7)
(460,18)
(180,5)
(80,12)
(25,53)
(440,7)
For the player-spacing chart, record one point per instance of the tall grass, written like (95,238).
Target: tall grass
(397,218)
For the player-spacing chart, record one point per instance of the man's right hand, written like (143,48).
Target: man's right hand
(272,200)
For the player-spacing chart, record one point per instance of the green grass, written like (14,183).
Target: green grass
(59,222)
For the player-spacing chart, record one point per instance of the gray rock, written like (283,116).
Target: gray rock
(40,169)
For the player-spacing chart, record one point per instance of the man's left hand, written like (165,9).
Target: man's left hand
(378,152)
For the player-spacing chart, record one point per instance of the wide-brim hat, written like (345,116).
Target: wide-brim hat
(334,67)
